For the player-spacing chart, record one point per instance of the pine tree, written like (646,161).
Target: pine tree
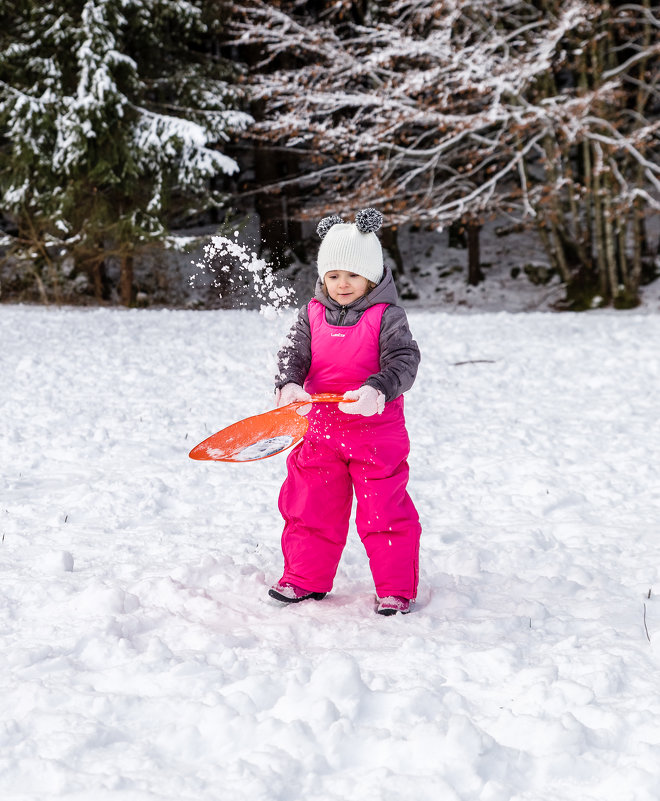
(111,112)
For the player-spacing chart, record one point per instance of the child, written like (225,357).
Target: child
(352,339)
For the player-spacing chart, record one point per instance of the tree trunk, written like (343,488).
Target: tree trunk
(36,240)
(475,275)
(40,286)
(637,217)
(560,255)
(389,239)
(588,200)
(99,279)
(456,235)
(638,243)
(547,245)
(581,238)
(599,229)
(126,293)
(610,251)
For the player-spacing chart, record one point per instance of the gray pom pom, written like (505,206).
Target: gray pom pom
(368,220)
(326,224)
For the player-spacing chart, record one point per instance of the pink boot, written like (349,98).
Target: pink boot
(392,604)
(291,594)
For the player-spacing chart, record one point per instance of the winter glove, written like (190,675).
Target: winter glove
(290,393)
(368,401)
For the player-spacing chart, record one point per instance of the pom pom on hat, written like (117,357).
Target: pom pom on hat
(326,224)
(368,220)
(353,247)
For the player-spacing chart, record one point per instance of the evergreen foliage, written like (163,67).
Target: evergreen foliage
(111,112)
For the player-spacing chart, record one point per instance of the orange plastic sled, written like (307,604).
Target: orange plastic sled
(260,436)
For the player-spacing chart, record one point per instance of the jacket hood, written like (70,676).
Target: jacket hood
(384,292)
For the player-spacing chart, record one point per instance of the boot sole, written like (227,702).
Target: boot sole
(387,612)
(316,596)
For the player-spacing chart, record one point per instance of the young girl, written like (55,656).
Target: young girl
(352,339)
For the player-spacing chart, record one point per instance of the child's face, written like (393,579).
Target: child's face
(345,287)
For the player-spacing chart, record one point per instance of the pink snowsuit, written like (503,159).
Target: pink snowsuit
(341,453)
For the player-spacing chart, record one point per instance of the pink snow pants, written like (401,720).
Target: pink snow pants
(342,453)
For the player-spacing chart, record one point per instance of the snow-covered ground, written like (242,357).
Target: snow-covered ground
(141,659)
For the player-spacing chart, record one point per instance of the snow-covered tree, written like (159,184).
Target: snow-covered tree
(451,111)
(112,113)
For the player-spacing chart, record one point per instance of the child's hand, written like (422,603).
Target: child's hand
(368,401)
(290,393)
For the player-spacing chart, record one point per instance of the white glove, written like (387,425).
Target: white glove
(368,401)
(290,393)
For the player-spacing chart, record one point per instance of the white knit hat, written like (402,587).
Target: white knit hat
(351,246)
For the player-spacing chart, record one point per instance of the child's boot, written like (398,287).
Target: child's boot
(290,594)
(392,604)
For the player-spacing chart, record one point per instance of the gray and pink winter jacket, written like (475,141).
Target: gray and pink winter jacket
(399,354)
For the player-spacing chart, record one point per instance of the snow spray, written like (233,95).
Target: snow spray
(232,265)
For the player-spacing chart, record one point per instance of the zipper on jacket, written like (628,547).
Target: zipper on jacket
(342,315)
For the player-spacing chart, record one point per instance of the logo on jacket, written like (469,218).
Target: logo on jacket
(337,335)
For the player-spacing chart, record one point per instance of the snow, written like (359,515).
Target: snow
(141,658)
(231,265)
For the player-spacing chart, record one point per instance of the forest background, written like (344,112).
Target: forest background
(133,130)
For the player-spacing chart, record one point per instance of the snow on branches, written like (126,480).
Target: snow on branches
(456,111)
